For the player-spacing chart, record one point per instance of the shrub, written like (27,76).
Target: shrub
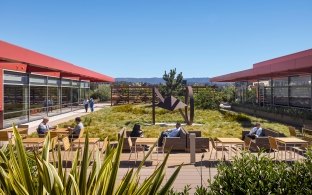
(258,174)
(208,98)
(103,93)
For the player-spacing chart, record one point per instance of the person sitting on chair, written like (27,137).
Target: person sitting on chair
(44,127)
(136,131)
(74,132)
(255,132)
(169,133)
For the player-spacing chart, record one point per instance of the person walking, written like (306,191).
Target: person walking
(86,104)
(91,103)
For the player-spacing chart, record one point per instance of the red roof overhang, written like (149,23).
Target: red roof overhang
(293,64)
(37,62)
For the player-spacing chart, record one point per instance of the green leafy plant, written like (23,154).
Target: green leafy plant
(102,92)
(209,98)
(84,177)
(259,174)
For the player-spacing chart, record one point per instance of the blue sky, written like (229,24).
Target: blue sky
(143,38)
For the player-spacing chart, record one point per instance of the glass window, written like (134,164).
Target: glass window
(15,104)
(15,78)
(53,81)
(38,102)
(38,80)
(280,95)
(53,100)
(300,91)
(66,82)
(280,82)
(300,80)
(75,83)
(66,99)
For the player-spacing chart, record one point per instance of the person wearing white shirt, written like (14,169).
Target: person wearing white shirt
(169,133)
(255,132)
(86,104)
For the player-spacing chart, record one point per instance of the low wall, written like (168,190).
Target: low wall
(294,121)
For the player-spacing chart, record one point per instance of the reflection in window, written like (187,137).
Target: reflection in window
(66,99)
(53,100)
(38,101)
(300,91)
(75,95)
(15,102)
(66,95)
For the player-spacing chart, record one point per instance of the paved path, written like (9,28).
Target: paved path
(54,120)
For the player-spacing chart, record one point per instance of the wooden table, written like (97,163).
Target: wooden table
(230,141)
(145,141)
(293,141)
(18,129)
(34,141)
(61,131)
(10,131)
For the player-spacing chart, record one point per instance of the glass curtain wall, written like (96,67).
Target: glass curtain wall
(31,97)
(15,98)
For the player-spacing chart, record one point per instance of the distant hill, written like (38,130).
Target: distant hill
(156,80)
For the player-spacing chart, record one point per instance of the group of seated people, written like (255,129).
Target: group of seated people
(137,132)
(44,127)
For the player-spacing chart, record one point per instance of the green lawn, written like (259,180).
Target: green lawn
(110,120)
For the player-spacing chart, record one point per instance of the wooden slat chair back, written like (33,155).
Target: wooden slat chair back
(273,143)
(132,149)
(81,133)
(273,146)
(4,136)
(23,133)
(292,131)
(247,143)
(105,145)
(130,143)
(66,143)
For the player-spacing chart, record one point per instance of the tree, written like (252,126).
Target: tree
(173,85)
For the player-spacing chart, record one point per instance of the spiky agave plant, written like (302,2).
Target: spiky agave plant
(99,177)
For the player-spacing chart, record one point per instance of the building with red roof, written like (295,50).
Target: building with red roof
(283,81)
(34,85)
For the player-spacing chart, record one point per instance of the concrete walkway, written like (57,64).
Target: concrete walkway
(55,120)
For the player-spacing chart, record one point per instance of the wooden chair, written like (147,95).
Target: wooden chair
(4,137)
(274,146)
(217,148)
(293,132)
(104,147)
(161,149)
(23,133)
(134,149)
(72,136)
(247,143)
